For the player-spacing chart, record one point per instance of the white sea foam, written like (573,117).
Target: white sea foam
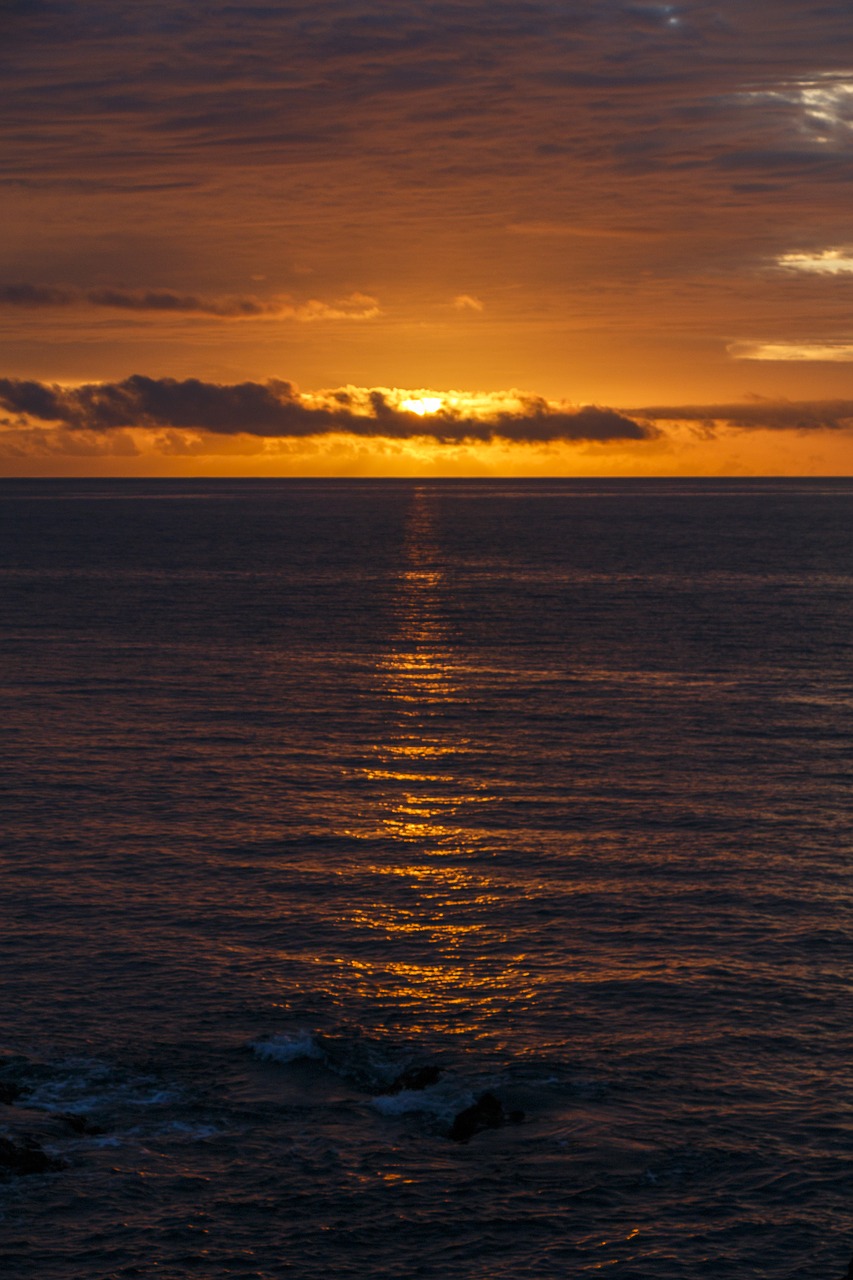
(287,1048)
(192,1132)
(86,1086)
(399,1104)
(442,1102)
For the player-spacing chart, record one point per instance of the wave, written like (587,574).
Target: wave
(287,1048)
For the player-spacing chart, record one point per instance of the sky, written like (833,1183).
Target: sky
(461,238)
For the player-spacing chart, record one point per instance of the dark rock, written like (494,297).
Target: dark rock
(78,1124)
(413,1078)
(21,1158)
(850,1270)
(486,1113)
(9,1091)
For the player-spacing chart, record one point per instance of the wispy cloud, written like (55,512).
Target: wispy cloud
(822,101)
(758,415)
(827,262)
(580,231)
(356,306)
(467,302)
(168,91)
(840,352)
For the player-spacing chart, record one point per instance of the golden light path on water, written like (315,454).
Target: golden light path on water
(433,897)
(442,952)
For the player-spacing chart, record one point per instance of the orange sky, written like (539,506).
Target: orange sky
(517,210)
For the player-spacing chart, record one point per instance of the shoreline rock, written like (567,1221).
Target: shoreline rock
(487,1112)
(413,1079)
(25,1157)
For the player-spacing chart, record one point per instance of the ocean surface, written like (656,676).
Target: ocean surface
(546,786)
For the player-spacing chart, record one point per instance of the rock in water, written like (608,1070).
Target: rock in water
(414,1078)
(77,1124)
(25,1157)
(486,1113)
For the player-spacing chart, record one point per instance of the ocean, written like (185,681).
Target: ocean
(330,807)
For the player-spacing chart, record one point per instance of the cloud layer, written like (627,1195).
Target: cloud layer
(358,306)
(276,410)
(760,415)
(615,200)
(758,90)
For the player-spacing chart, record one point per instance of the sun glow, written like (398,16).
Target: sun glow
(427,404)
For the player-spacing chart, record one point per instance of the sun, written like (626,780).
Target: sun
(427,404)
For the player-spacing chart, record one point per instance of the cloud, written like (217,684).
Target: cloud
(276,409)
(840,352)
(467,302)
(654,16)
(357,306)
(625,167)
(35,295)
(566,230)
(823,103)
(828,262)
(759,415)
(170,90)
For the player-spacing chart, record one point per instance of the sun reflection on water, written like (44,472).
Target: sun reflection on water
(430,891)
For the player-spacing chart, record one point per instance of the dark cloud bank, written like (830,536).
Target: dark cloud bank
(767,415)
(275,409)
(159,300)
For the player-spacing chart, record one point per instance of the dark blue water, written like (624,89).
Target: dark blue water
(544,785)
